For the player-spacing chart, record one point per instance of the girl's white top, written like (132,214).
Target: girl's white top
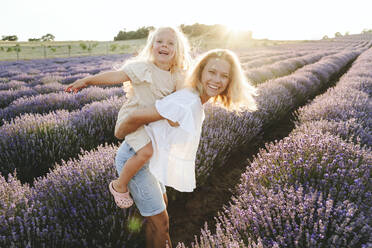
(148,84)
(174,148)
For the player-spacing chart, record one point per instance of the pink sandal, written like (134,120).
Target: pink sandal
(122,200)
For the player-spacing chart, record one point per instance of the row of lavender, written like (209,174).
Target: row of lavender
(313,188)
(71,206)
(19,142)
(270,58)
(32,143)
(29,138)
(282,68)
(64,70)
(44,103)
(267,52)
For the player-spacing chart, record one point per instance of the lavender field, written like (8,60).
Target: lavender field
(310,189)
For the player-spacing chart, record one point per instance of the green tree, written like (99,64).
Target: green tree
(47,37)
(83,46)
(113,47)
(140,33)
(338,34)
(10,38)
(33,39)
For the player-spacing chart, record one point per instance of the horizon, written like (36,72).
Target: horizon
(273,20)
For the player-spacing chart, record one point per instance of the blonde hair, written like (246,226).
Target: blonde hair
(238,93)
(182,58)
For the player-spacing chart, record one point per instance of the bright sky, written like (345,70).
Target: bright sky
(102,20)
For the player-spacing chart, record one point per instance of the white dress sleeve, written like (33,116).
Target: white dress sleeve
(182,107)
(138,72)
(174,148)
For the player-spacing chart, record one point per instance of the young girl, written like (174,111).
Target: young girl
(155,73)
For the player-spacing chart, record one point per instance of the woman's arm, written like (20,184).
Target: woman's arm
(104,78)
(138,118)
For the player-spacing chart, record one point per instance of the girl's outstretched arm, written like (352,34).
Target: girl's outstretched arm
(138,118)
(104,78)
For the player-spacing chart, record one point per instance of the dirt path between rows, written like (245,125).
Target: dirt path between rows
(191,210)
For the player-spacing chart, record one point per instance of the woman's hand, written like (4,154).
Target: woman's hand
(173,124)
(137,119)
(77,85)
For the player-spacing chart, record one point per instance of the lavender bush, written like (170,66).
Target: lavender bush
(12,85)
(8,96)
(308,190)
(272,59)
(54,101)
(32,143)
(71,207)
(35,71)
(49,88)
(282,68)
(345,109)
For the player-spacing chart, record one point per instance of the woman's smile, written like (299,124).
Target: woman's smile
(215,76)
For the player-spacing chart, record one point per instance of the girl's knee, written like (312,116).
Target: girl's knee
(145,152)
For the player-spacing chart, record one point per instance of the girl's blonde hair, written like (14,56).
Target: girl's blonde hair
(181,60)
(238,93)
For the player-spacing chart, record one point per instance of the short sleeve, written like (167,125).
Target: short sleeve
(183,107)
(138,72)
(179,78)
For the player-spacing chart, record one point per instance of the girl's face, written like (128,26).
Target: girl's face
(215,76)
(164,47)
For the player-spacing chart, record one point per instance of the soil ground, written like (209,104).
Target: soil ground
(189,213)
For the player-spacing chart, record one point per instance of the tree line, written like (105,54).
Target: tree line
(47,37)
(190,30)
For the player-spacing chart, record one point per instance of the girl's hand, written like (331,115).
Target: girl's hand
(77,85)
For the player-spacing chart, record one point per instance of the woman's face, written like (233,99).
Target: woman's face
(215,76)
(164,47)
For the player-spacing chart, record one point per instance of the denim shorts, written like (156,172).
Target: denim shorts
(147,192)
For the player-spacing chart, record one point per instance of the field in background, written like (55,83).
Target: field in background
(59,49)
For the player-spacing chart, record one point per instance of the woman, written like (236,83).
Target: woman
(216,76)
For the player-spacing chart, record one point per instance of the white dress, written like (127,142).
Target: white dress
(174,148)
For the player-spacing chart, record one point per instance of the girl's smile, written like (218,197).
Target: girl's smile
(164,49)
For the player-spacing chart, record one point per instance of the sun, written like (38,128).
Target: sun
(235,35)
